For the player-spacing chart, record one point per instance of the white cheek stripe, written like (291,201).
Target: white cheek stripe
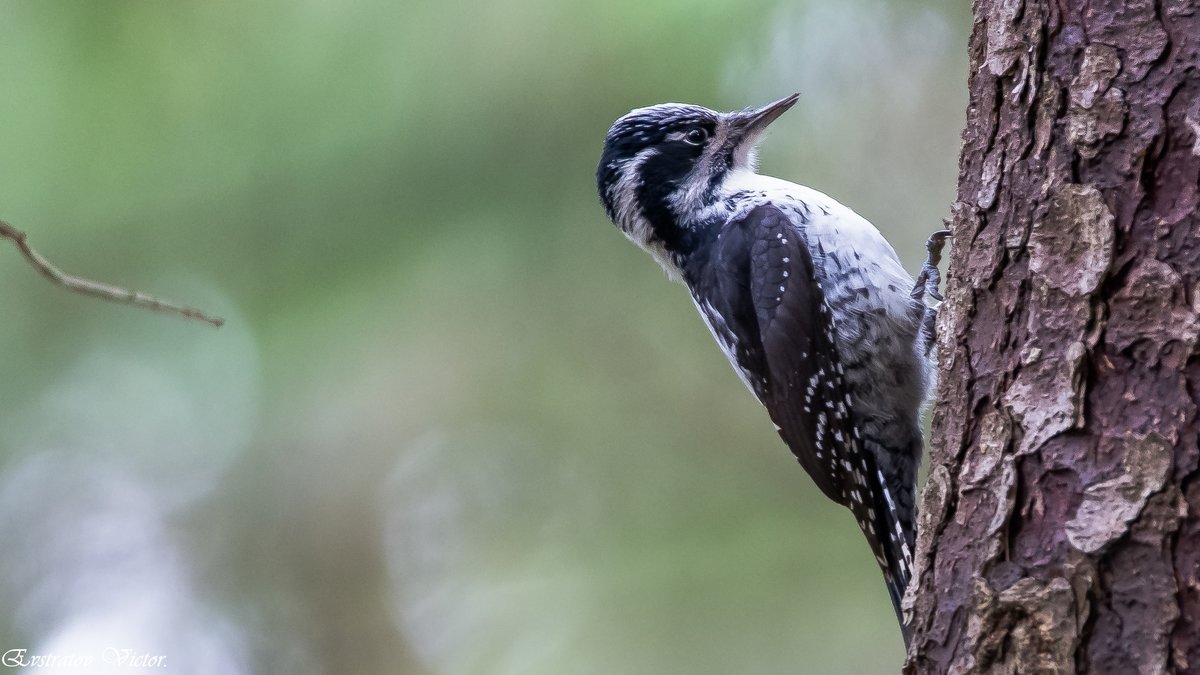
(624,198)
(629,217)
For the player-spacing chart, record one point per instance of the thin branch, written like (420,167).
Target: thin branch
(96,288)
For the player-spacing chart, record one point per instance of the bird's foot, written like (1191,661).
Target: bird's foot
(930,278)
(927,286)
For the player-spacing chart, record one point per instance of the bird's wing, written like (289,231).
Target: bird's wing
(805,391)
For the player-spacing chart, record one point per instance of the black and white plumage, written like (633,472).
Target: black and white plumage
(807,299)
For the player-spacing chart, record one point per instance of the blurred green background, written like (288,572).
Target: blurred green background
(455,423)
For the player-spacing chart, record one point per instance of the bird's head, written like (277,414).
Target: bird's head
(664,164)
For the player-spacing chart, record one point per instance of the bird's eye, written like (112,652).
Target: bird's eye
(696,136)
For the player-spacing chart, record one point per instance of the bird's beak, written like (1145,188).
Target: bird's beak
(750,123)
(746,126)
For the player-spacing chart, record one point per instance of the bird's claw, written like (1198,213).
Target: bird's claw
(930,278)
(927,286)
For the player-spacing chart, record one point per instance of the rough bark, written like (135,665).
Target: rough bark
(1060,529)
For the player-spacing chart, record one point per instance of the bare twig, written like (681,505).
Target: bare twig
(96,288)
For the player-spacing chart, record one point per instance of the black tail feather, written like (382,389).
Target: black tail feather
(891,539)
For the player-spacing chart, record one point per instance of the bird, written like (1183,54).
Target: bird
(808,301)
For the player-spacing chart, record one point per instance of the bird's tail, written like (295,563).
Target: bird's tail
(897,545)
(889,528)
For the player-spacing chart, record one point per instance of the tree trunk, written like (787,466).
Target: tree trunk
(1060,529)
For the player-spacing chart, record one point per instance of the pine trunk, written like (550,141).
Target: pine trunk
(1060,526)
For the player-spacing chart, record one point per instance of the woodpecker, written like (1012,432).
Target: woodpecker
(809,302)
